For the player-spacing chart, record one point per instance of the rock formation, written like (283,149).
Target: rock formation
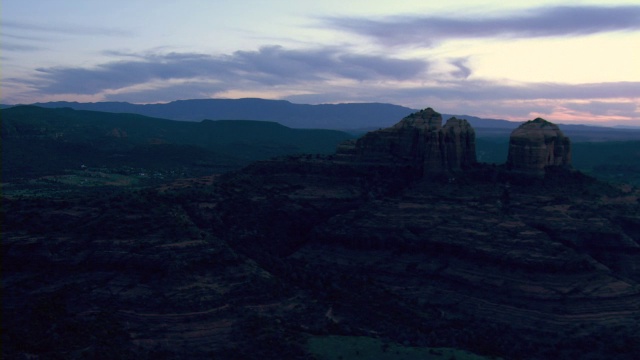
(537,144)
(419,140)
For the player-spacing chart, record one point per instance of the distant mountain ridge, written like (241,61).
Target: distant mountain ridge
(354,117)
(346,116)
(323,116)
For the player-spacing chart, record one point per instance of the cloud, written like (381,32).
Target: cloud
(24,37)
(70,30)
(269,66)
(483,90)
(462,71)
(539,22)
(166,92)
(22,42)
(606,108)
(10,46)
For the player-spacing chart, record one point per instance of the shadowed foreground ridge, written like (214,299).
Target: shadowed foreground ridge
(400,236)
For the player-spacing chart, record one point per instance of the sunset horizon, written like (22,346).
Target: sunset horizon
(567,62)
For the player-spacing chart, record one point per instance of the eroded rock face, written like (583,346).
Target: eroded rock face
(459,141)
(537,144)
(419,140)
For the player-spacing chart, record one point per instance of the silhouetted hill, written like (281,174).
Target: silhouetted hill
(41,140)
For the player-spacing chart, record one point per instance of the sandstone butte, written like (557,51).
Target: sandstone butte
(419,140)
(537,144)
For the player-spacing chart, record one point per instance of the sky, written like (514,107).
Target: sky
(565,61)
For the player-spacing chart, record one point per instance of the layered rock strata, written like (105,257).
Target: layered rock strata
(537,144)
(419,140)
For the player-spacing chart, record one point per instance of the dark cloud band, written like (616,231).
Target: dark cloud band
(540,22)
(72,30)
(269,66)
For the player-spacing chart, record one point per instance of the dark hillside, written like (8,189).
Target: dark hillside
(44,141)
(617,161)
